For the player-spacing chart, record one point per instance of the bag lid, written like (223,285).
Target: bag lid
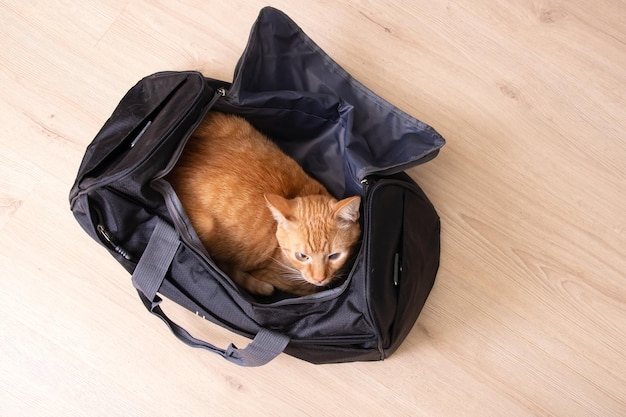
(285,83)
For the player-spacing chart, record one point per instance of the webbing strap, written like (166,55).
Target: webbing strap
(148,277)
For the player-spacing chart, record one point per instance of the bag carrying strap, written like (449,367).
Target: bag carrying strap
(147,279)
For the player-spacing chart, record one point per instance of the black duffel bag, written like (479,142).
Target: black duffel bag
(343,134)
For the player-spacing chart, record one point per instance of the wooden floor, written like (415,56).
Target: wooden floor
(528,313)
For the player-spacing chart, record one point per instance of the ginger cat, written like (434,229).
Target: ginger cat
(263,220)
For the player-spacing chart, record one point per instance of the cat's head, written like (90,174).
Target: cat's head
(316,233)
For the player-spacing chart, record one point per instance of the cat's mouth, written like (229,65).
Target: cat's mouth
(323,283)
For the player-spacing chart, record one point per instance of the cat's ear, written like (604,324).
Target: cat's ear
(281,208)
(347,210)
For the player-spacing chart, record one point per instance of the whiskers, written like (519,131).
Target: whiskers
(288,272)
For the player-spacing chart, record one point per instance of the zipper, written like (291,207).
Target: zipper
(371,184)
(175,209)
(341,340)
(91,183)
(219,93)
(326,341)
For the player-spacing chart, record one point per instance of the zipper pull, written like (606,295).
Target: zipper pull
(365,183)
(112,244)
(143,130)
(397,269)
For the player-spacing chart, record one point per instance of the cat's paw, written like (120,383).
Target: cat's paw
(251,284)
(262,288)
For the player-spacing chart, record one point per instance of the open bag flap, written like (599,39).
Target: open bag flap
(338,129)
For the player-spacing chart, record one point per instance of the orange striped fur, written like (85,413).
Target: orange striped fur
(264,221)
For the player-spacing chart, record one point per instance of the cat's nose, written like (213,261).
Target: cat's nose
(318,279)
(317,274)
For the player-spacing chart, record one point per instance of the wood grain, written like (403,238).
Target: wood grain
(528,314)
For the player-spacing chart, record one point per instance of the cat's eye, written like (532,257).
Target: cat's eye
(334,256)
(301,257)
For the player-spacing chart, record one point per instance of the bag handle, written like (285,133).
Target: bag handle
(147,279)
